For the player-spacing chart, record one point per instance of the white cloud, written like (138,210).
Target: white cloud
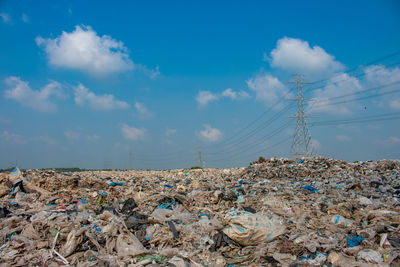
(92,138)
(170,132)
(84,50)
(99,102)
(297,56)
(4,120)
(337,86)
(25,18)
(71,135)
(149,72)
(343,138)
(348,127)
(234,95)
(133,133)
(395,104)
(75,136)
(229,93)
(315,145)
(45,139)
(268,89)
(21,140)
(143,111)
(5,17)
(37,100)
(210,134)
(205,97)
(394,140)
(378,75)
(13,138)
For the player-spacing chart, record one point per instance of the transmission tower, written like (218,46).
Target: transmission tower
(301,138)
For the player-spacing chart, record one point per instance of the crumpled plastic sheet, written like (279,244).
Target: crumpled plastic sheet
(308,212)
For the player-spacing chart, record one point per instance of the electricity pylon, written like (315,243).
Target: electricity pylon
(302,137)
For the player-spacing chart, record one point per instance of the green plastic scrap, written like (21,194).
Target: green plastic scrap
(156,258)
(9,238)
(101,201)
(53,232)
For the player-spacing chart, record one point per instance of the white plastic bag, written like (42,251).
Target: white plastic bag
(252,229)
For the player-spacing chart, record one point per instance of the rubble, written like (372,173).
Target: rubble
(281,212)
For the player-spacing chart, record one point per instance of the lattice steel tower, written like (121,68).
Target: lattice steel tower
(302,137)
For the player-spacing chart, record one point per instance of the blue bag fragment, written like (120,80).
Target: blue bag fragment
(309,188)
(355,241)
(115,183)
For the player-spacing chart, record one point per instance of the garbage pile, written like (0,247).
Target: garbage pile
(282,212)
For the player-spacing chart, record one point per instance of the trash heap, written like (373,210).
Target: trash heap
(282,212)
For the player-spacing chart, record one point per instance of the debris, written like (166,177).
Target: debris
(173,229)
(115,184)
(251,229)
(128,207)
(4,212)
(277,212)
(309,188)
(355,241)
(370,256)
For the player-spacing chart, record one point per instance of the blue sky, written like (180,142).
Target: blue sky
(143,83)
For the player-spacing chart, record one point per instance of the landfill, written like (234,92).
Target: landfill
(280,212)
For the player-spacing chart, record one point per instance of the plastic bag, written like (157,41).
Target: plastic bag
(251,229)
(74,238)
(129,245)
(370,256)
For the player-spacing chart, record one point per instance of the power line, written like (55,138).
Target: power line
(256,131)
(350,77)
(325,102)
(289,106)
(380,117)
(361,66)
(249,153)
(236,138)
(302,136)
(226,141)
(260,140)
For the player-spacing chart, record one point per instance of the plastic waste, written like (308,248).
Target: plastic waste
(364,201)
(340,220)
(370,256)
(251,229)
(80,204)
(173,229)
(241,199)
(128,206)
(4,212)
(17,185)
(309,188)
(115,184)
(355,241)
(360,200)
(156,258)
(129,245)
(136,221)
(178,262)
